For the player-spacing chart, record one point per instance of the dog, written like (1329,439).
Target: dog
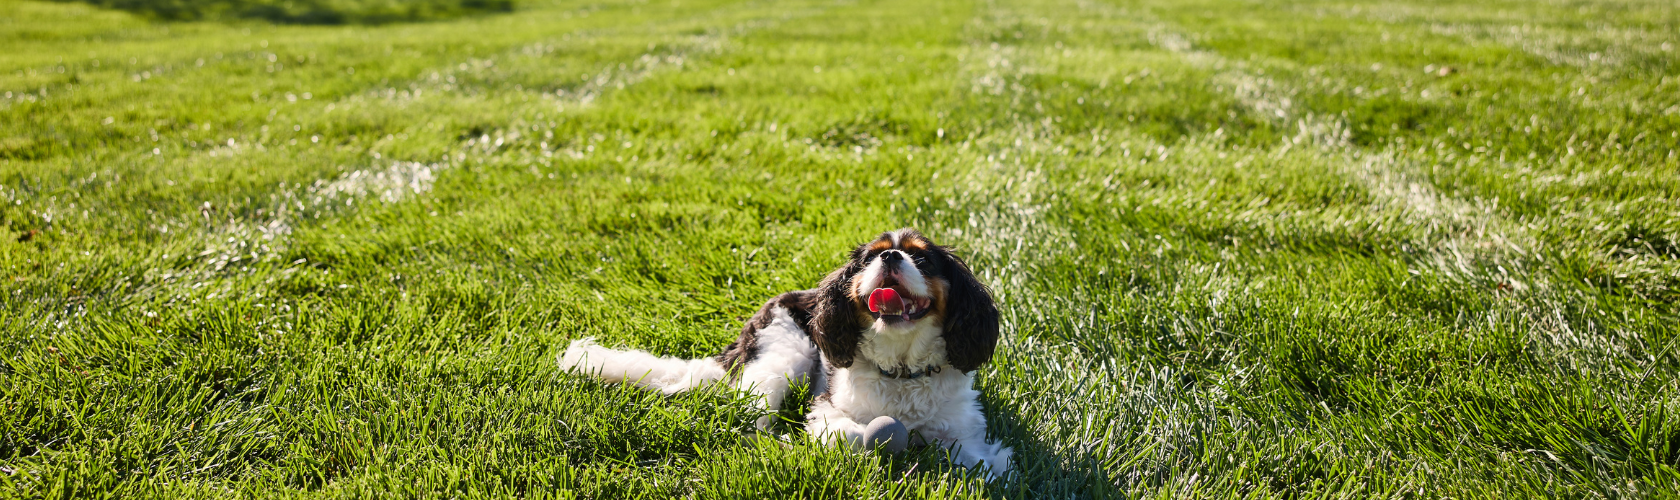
(889,343)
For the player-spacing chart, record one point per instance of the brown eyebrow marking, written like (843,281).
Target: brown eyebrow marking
(915,244)
(880,245)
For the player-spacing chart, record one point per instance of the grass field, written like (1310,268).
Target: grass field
(1323,249)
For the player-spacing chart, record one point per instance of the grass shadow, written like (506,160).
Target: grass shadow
(320,12)
(1038,469)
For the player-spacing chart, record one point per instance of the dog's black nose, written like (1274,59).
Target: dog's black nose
(892,256)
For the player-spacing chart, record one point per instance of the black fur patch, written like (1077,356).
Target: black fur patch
(838,323)
(744,350)
(971,318)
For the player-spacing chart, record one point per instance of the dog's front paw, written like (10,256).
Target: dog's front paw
(998,467)
(887,433)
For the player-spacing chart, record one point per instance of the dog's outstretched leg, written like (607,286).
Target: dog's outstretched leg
(772,353)
(668,375)
(783,355)
(828,424)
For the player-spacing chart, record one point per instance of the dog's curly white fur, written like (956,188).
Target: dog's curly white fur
(896,332)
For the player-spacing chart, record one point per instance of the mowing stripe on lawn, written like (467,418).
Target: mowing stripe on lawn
(1223,238)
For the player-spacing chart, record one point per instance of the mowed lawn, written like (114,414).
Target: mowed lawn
(1317,249)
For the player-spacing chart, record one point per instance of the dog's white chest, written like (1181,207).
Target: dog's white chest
(865,393)
(910,349)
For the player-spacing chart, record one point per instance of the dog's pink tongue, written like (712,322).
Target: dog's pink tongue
(886,301)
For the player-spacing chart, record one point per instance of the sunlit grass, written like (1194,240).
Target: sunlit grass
(1322,249)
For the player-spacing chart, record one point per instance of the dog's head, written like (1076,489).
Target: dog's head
(898,282)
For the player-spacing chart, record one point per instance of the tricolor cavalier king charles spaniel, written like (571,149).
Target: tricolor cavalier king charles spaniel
(889,343)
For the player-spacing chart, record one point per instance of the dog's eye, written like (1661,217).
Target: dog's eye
(920,261)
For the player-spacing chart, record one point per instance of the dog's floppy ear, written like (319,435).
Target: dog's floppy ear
(837,322)
(971,318)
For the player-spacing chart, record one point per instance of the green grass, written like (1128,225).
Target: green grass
(1325,249)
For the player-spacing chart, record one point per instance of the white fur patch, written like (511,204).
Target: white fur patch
(785,355)
(667,374)
(914,346)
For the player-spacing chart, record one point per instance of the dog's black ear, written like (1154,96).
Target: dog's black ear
(836,322)
(971,318)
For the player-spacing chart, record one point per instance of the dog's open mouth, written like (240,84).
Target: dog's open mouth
(894,304)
